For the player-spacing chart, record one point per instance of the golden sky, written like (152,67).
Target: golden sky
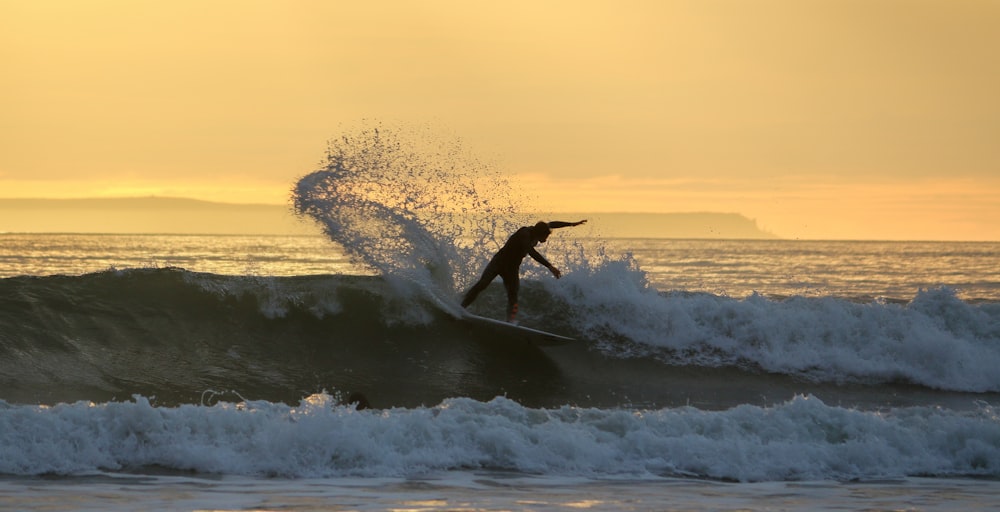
(853,119)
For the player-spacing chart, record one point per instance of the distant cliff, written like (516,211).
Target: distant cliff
(161,215)
(673,225)
(189,216)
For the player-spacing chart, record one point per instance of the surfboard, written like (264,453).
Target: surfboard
(534,336)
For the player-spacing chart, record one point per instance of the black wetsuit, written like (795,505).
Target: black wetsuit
(506,264)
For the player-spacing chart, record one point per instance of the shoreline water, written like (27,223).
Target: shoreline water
(488,491)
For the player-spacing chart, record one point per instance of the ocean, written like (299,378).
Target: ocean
(334,372)
(169,372)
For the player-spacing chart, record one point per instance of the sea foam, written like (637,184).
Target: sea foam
(935,340)
(797,440)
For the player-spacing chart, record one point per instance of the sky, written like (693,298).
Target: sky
(820,119)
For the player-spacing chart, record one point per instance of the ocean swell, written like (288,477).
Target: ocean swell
(173,333)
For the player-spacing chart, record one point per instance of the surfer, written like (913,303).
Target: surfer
(507,262)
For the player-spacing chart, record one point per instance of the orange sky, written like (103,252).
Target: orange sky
(850,119)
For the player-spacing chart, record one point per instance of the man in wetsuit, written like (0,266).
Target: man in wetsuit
(507,262)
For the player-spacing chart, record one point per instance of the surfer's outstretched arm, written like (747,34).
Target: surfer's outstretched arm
(556,224)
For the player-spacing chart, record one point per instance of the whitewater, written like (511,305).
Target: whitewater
(186,372)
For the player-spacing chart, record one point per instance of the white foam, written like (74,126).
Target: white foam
(936,340)
(800,439)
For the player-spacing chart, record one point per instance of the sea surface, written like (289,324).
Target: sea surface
(214,372)
(335,372)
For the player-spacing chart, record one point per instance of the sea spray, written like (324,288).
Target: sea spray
(410,205)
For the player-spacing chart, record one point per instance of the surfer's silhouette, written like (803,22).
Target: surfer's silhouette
(507,262)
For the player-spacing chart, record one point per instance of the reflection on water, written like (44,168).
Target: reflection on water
(47,254)
(859,270)
(778,268)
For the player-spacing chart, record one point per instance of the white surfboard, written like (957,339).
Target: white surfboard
(534,336)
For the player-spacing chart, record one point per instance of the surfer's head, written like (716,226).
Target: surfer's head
(541,231)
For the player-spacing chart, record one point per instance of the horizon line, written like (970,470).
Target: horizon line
(774,236)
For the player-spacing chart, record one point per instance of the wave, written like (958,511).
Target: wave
(172,334)
(801,439)
(934,340)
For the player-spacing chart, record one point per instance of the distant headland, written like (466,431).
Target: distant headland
(167,215)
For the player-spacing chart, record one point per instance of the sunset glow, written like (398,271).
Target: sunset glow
(820,120)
